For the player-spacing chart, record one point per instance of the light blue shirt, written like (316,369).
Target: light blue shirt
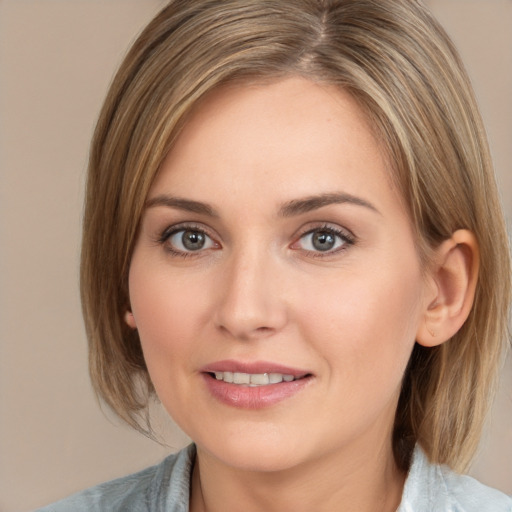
(166,488)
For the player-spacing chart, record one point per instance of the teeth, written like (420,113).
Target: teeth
(275,378)
(253,379)
(260,379)
(241,378)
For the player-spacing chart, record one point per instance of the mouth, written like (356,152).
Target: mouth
(254,385)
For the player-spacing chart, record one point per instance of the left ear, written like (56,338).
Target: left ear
(454,277)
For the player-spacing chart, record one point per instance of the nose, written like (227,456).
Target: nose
(252,301)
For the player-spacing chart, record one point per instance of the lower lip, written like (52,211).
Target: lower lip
(258,397)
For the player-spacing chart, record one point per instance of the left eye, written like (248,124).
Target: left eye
(190,240)
(323,240)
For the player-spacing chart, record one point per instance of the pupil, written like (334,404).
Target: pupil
(323,241)
(193,240)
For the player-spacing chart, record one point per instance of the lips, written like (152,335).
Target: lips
(253,385)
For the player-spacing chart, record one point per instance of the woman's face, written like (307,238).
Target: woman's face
(275,247)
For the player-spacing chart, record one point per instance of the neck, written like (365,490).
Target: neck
(361,481)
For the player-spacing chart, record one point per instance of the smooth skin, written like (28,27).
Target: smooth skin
(273,232)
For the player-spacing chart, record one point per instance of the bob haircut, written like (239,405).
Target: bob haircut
(401,67)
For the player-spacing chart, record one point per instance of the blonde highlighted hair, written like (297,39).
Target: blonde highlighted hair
(401,67)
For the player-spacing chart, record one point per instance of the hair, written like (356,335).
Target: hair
(398,63)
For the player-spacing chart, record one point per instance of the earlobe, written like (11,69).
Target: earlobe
(454,277)
(130,319)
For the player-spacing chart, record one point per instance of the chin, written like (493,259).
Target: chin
(267,452)
(259,461)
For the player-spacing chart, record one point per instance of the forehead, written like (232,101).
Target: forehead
(262,138)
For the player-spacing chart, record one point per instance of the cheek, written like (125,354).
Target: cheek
(166,312)
(366,322)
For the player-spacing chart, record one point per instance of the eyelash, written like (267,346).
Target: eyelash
(345,236)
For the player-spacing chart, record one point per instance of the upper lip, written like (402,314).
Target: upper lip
(256,367)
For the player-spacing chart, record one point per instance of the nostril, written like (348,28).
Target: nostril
(264,329)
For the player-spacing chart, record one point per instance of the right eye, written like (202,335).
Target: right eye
(185,241)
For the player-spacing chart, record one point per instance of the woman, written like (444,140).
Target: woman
(292,236)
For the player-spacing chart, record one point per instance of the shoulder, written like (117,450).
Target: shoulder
(161,487)
(471,495)
(433,487)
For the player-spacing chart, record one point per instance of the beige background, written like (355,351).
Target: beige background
(57,57)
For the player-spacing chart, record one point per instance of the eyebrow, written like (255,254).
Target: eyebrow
(300,206)
(288,209)
(182,204)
